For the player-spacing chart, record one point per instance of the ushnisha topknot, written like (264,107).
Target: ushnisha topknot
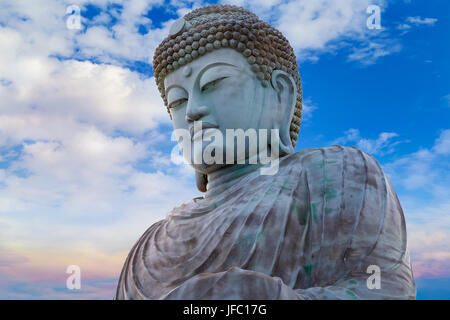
(226,26)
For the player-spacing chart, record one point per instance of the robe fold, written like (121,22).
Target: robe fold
(311,231)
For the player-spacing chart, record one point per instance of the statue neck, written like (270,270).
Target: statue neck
(224,178)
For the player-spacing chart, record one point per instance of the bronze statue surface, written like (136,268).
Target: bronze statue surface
(313,229)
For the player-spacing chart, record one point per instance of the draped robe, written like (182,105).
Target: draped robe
(311,231)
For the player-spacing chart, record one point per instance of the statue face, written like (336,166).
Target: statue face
(220,90)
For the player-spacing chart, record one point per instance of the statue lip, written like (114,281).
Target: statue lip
(205,125)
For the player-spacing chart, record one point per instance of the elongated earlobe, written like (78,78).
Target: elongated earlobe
(286,91)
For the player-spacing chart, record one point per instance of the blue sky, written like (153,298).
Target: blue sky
(85,139)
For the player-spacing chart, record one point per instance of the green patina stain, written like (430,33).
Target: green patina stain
(321,163)
(288,184)
(260,234)
(245,241)
(318,164)
(250,239)
(314,211)
(327,180)
(330,194)
(308,268)
(351,294)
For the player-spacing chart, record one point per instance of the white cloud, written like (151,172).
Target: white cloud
(421,21)
(307,110)
(442,145)
(428,241)
(421,179)
(108,96)
(447,97)
(81,162)
(313,27)
(415,21)
(403,26)
(369,52)
(43,26)
(384,144)
(314,24)
(425,169)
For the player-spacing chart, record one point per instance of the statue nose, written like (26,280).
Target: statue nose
(196,113)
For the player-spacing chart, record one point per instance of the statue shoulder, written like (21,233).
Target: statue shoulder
(133,268)
(344,177)
(347,187)
(337,159)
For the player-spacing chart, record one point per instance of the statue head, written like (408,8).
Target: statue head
(223,67)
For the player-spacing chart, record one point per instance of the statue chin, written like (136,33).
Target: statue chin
(208,168)
(198,162)
(204,168)
(201,174)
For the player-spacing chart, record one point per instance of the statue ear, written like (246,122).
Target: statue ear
(286,92)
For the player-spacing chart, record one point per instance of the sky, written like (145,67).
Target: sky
(85,142)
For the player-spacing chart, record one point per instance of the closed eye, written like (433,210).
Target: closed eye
(177,103)
(211,84)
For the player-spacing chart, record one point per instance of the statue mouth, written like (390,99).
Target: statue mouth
(197,130)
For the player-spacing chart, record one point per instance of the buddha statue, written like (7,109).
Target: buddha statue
(313,229)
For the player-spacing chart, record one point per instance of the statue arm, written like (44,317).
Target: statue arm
(384,251)
(379,242)
(240,284)
(233,284)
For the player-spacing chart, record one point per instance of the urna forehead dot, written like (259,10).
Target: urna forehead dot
(177,27)
(187,71)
